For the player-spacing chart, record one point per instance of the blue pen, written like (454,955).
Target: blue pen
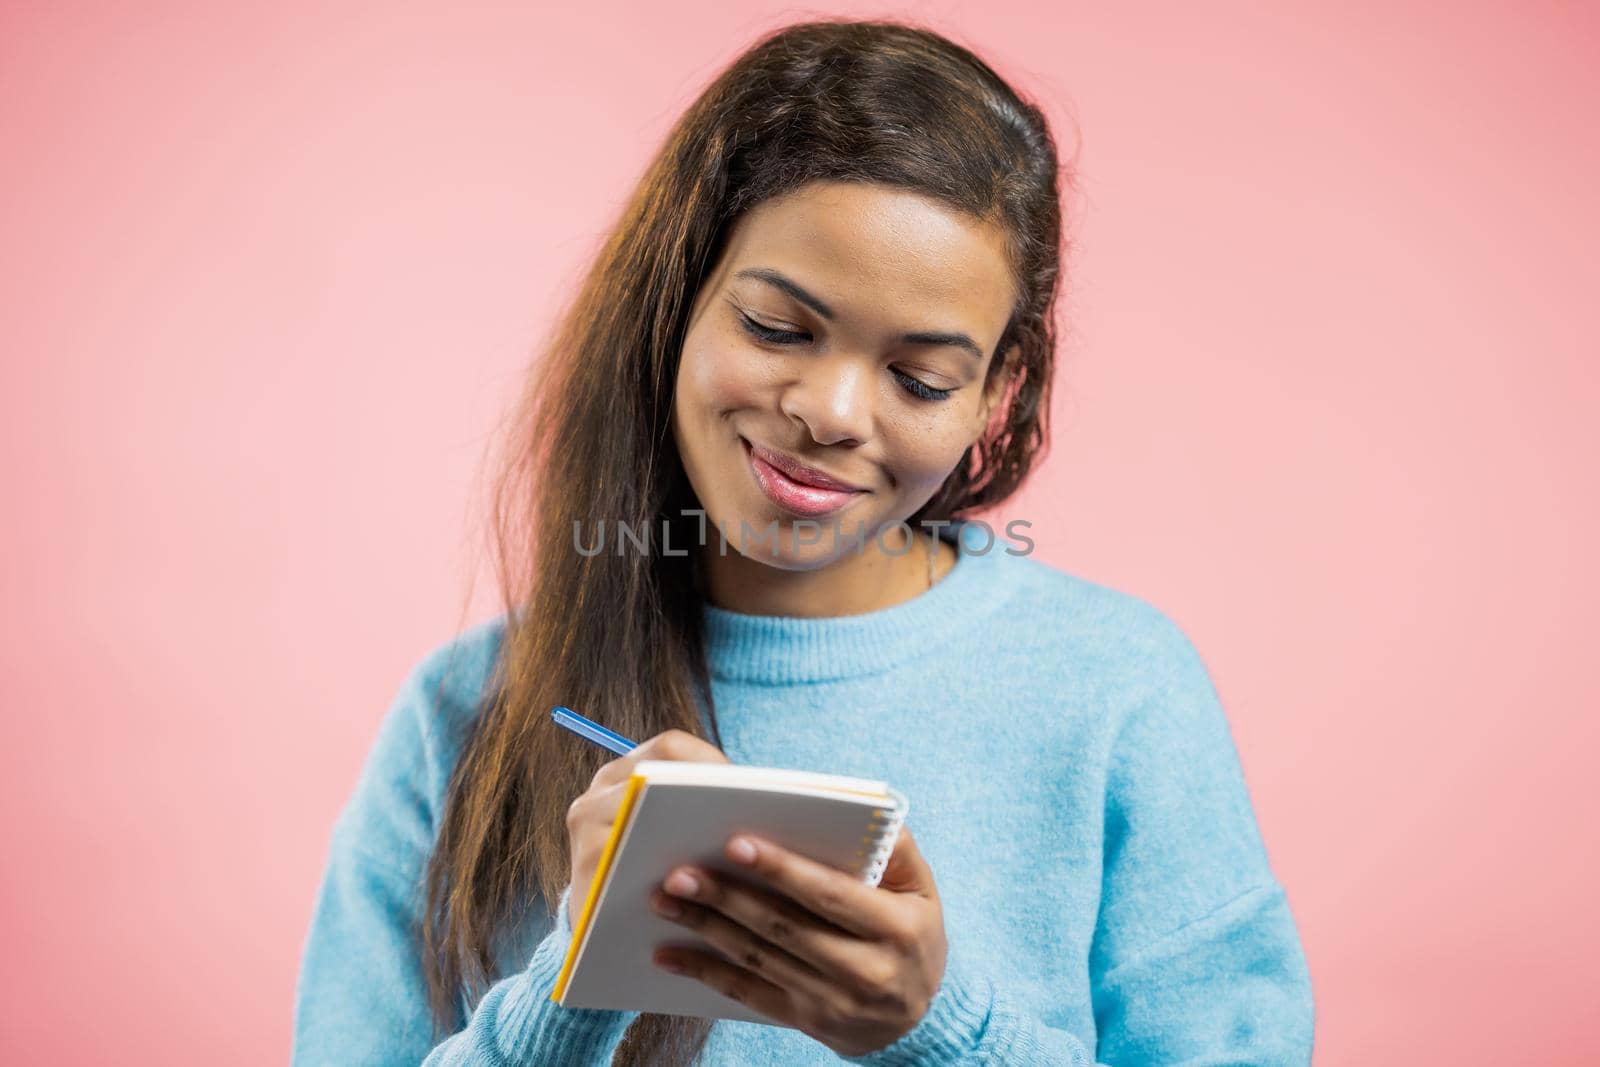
(592,730)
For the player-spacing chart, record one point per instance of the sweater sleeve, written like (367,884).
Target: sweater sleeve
(517,1022)
(1195,958)
(361,997)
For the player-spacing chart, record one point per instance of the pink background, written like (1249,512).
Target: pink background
(270,272)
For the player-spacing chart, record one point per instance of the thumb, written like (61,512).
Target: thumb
(907,871)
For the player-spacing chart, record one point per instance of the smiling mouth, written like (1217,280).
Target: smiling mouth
(791,494)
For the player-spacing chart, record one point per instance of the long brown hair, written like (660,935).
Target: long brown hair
(589,441)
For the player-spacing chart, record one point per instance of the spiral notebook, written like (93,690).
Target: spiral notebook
(675,812)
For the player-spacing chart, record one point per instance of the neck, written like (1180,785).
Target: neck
(857,582)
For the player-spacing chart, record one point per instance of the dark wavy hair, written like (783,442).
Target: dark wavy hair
(835,100)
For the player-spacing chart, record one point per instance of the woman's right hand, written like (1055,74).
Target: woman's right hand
(589,817)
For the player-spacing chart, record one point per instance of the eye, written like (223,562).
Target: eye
(922,389)
(768,334)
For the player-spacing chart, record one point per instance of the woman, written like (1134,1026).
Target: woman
(821,331)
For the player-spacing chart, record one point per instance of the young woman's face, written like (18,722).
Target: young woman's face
(848,327)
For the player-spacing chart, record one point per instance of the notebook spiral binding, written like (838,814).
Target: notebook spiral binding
(882,833)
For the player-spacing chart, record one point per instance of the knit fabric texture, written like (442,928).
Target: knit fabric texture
(1073,783)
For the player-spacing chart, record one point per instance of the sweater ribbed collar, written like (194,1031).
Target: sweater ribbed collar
(787,650)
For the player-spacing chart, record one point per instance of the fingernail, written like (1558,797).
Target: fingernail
(668,907)
(683,884)
(742,850)
(669,966)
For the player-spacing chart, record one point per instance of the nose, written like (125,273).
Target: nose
(833,400)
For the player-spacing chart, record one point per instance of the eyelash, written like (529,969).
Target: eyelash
(789,337)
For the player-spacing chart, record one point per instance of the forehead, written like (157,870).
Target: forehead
(878,255)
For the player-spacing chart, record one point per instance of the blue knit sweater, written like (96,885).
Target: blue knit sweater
(1074,786)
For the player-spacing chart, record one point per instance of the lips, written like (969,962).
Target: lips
(799,472)
(795,487)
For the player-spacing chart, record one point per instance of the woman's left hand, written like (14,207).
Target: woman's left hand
(853,966)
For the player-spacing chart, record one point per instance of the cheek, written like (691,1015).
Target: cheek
(717,377)
(927,448)
(716,382)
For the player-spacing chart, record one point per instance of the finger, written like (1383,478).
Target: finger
(677,745)
(840,898)
(742,946)
(597,805)
(731,980)
(774,919)
(907,871)
(669,745)
(613,771)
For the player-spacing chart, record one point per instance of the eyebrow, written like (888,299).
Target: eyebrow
(789,286)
